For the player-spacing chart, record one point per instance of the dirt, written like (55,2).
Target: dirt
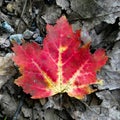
(100,19)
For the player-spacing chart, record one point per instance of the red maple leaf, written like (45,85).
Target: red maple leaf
(62,65)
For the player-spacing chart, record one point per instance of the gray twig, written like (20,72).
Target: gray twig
(19,108)
(22,14)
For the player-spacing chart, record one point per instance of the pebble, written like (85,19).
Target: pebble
(17,38)
(10,7)
(39,39)
(85,37)
(5,25)
(37,36)
(28,34)
(4,43)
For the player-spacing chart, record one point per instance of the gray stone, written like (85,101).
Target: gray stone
(7,69)
(95,11)
(76,26)
(64,4)
(111,72)
(8,105)
(51,14)
(85,8)
(27,112)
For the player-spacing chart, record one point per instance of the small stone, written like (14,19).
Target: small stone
(10,7)
(8,105)
(39,39)
(76,25)
(85,37)
(64,4)
(7,27)
(52,14)
(26,112)
(16,37)
(28,34)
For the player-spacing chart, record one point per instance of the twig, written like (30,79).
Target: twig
(90,108)
(60,102)
(5,118)
(19,108)
(22,14)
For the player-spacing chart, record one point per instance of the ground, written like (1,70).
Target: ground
(100,19)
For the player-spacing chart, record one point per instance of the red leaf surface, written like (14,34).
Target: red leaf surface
(62,65)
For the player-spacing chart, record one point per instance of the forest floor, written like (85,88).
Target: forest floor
(27,19)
